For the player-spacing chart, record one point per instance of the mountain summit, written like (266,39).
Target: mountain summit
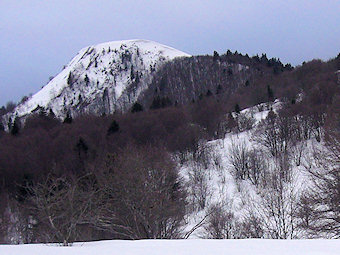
(101,79)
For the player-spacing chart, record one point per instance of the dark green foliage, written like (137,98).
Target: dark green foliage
(256,58)
(136,108)
(68,119)
(237,108)
(14,129)
(114,127)
(70,79)
(86,79)
(216,56)
(288,67)
(51,113)
(264,59)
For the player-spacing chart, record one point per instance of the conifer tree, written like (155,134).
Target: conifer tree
(14,130)
(136,108)
(237,108)
(68,119)
(114,127)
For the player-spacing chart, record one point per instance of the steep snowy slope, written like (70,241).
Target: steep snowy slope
(101,79)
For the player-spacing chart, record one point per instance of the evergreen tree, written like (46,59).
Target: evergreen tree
(68,119)
(70,79)
(86,79)
(14,130)
(114,127)
(51,114)
(136,108)
(216,56)
(237,108)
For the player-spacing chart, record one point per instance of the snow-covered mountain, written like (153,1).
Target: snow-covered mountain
(101,79)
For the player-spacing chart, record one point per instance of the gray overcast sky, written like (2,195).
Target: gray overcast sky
(38,37)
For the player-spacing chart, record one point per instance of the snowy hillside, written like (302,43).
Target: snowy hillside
(181,247)
(214,184)
(101,79)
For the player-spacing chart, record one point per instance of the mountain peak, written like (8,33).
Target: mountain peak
(101,78)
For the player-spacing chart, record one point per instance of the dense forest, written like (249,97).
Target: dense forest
(117,176)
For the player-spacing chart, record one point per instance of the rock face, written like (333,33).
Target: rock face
(100,79)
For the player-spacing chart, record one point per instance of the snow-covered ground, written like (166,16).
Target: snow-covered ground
(179,247)
(215,181)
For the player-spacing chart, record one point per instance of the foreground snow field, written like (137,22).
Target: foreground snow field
(178,247)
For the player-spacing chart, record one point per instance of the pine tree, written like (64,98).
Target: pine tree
(86,79)
(136,108)
(114,127)
(14,130)
(68,119)
(237,108)
(70,79)
(216,56)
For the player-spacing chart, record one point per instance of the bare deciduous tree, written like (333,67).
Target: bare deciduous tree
(60,205)
(320,208)
(277,209)
(141,195)
(220,223)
